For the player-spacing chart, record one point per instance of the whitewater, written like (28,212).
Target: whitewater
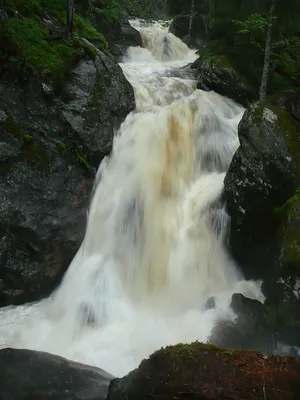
(154,249)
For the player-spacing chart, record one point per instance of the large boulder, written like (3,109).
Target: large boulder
(264,173)
(201,371)
(52,140)
(44,196)
(218,74)
(262,200)
(26,374)
(180,28)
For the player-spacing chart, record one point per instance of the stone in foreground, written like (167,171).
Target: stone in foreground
(26,374)
(205,372)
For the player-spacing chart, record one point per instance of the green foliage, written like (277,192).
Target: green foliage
(84,28)
(237,28)
(28,39)
(255,23)
(280,210)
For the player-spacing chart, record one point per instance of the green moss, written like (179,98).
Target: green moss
(25,39)
(82,161)
(84,28)
(280,210)
(199,370)
(67,151)
(63,149)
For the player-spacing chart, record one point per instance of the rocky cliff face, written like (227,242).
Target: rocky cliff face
(262,194)
(52,140)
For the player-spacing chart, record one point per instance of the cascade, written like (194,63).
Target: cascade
(154,249)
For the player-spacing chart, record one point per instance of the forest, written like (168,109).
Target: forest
(234,28)
(238,30)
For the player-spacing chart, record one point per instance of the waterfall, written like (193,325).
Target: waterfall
(154,249)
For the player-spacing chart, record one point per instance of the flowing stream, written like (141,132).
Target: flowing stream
(154,250)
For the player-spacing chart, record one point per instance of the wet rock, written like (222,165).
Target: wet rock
(261,194)
(119,34)
(180,28)
(84,112)
(201,371)
(184,73)
(210,303)
(42,217)
(26,374)
(52,139)
(263,174)
(216,73)
(250,329)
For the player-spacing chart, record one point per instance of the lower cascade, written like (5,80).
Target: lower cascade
(154,250)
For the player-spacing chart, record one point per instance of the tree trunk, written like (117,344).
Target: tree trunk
(191,17)
(265,74)
(70,12)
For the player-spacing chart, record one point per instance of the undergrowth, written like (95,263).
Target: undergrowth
(33,35)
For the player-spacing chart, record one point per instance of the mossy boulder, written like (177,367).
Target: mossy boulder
(261,191)
(218,74)
(264,174)
(180,28)
(201,371)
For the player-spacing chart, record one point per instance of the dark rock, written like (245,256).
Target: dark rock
(119,34)
(85,111)
(289,102)
(200,371)
(3,116)
(33,375)
(249,330)
(184,73)
(216,73)
(263,174)
(249,308)
(51,141)
(260,190)
(284,292)
(180,28)
(42,218)
(210,303)
(296,108)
